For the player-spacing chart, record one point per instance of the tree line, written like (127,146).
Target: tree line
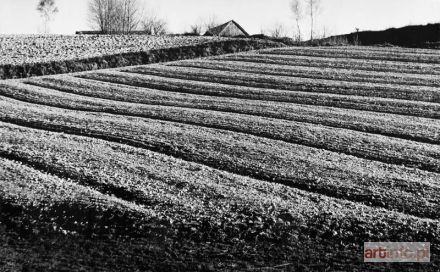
(302,9)
(125,16)
(111,16)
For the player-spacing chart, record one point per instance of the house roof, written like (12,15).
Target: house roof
(219,29)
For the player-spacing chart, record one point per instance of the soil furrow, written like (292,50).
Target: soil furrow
(262,160)
(361,145)
(414,58)
(342,63)
(261,95)
(427,94)
(317,73)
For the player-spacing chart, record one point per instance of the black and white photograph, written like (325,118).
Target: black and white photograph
(219,135)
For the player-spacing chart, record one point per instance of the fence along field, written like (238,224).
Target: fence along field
(229,154)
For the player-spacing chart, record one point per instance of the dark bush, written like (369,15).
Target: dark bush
(409,36)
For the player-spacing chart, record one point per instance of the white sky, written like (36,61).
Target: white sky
(338,16)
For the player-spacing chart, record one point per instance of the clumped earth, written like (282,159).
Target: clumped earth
(28,56)
(285,159)
(19,49)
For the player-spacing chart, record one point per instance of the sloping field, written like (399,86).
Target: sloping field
(19,49)
(26,56)
(282,159)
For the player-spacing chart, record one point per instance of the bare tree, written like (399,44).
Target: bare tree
(204,24)
(128,11)
(160,27)
(211,22)
(103,15)
(153,25)
(196,29)
(297,9)
(277,31)
(111,16)
(48,9)
(324,32)
(356,38)
(313,7)
(97,13)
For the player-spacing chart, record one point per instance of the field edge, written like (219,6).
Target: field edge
(135,58)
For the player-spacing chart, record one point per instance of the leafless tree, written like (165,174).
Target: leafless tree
(196,29)
(313,8)
(297,9)
(97,14)
(211,22)
(204,24)
(277,31)
(103,15)
(128,15)
(48,9)
(324,33)
(110,16)
(153,25)
(356,38)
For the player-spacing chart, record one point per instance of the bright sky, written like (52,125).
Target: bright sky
(338,16)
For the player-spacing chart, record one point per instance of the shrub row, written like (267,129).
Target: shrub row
(137,58)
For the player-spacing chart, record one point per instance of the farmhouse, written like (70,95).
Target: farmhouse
(229,29)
